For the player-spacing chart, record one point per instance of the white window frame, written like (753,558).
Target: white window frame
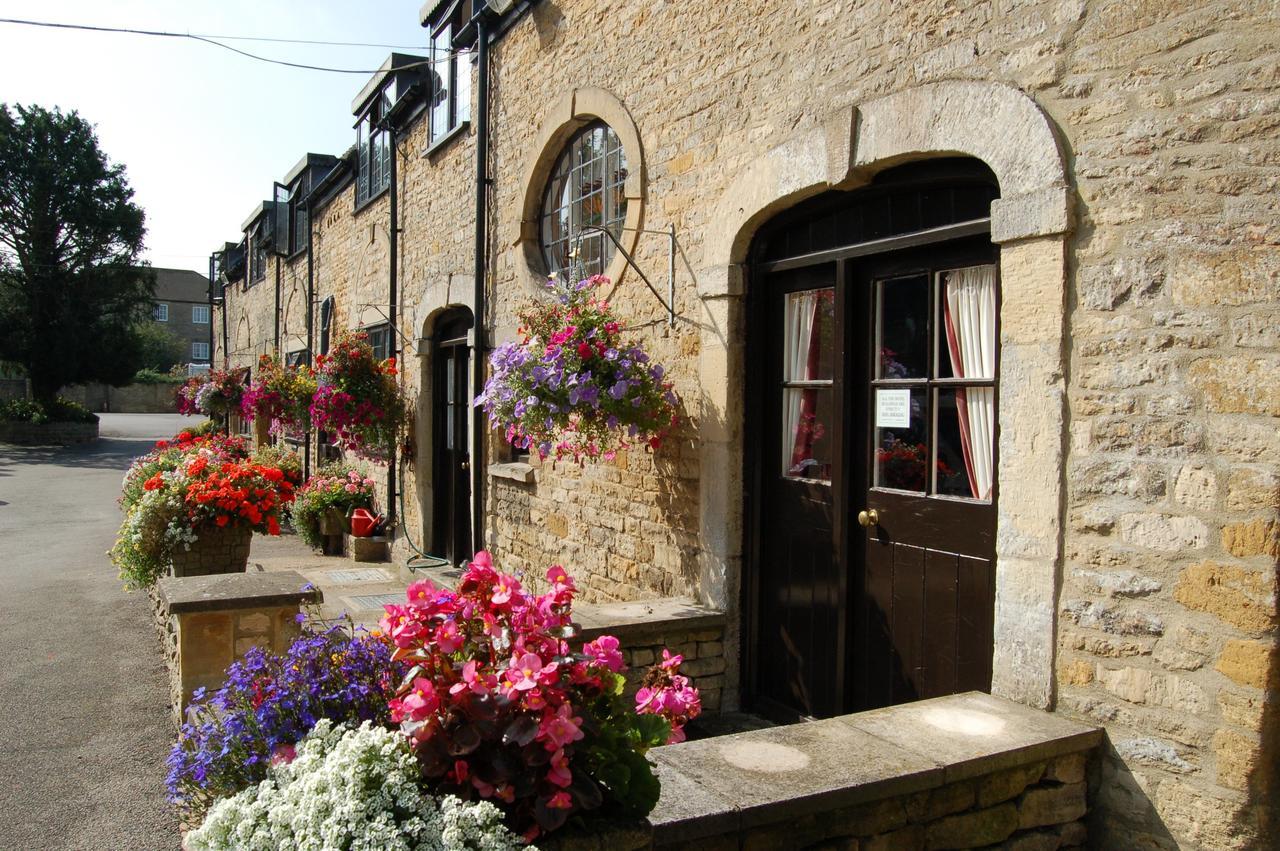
(199,351)
(161,313)
(199,314)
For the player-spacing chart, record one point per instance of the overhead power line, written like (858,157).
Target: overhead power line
(213,39)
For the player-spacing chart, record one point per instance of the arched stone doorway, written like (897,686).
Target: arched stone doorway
(1004,129)
(870,444)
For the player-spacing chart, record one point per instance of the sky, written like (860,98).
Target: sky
(202,132)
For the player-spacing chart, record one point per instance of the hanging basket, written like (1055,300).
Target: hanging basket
(218,549)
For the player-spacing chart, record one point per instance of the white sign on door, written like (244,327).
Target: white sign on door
(893,408)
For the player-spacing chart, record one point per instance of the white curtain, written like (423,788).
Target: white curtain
(801,314)
(970,312)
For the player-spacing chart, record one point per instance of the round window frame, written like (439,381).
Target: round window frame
(571,114)
(567,152)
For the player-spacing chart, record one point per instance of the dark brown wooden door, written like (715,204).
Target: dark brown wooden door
(924,600)
(872,401)
(451,482)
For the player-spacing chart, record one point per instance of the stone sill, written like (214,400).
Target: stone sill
(517,471)
(728,784)
(635,622)
(230,591)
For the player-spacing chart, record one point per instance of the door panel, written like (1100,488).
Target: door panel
(451,481)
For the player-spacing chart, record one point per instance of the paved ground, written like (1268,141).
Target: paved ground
(84,724)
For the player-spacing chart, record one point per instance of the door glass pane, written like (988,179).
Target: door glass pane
(809,336)
(448,397)
(806,433)
(902,451)
(965,435)
(902,315)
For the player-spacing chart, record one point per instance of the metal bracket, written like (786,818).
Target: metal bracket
(670,301)
(390,322)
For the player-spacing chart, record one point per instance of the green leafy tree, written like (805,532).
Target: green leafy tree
(71,292)
(159,349)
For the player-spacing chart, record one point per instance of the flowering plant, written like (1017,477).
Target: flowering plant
(666,692)
(201,491)
(357,398)
(347,788)
(282,394)
(498,706)
(905,465)
(170,454)
(215,393)
(269,702)
(571,385)
(340,488)
(284,459)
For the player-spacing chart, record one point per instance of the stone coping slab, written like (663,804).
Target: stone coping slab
(227,591)
(761,777)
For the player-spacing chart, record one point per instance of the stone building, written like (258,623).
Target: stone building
(182,309)
(1023,256)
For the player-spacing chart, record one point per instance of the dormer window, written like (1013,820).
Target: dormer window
(373,149)
(450,73)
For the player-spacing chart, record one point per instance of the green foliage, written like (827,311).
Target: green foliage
(147,375)
(57,410)
(71,292)
(616,740)
(334,486)
(206,428)
(159,349)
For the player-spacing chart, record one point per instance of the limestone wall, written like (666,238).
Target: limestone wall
(1162,620)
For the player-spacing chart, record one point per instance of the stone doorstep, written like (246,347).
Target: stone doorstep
(229,591)
(764,777)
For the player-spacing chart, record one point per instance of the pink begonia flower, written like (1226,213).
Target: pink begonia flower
(471,681)
(669,661)
(506,587)
(560,801)
(421,700)
(400,626)
(447,637)
(605,651)
(561,729)
(420,592)
(562,587)
(283,754)
(525,672)
(482,559)
(560,773)
(533,700)
(350,488)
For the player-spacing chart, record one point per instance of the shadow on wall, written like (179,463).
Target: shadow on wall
(1263,812)
(675,463)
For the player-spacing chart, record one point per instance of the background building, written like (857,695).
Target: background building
(183,310)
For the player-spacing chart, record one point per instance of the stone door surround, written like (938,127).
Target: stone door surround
(1031,221)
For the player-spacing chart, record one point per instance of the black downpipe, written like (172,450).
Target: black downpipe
(277,317)
(226,343)
(311,307)
(392,317)
(482,215)
(213,282)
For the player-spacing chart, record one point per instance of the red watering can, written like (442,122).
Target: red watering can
(362,523)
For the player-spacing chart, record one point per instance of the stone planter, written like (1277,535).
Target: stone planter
(217,550)
(48,434)
(334,522)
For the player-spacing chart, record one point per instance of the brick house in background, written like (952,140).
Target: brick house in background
(183,309)
(1029,255)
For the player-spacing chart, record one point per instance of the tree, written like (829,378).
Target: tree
(158,348)
(71,291)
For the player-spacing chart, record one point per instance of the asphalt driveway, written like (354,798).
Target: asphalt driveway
(84,721)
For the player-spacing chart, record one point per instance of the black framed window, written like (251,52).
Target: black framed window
(380,341)
(586,190)
(450,80)
(326,324)
(295,358)
(257,261)
(373,148)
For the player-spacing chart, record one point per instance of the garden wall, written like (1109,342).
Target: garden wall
(130,399)
(966,771)
(44,434)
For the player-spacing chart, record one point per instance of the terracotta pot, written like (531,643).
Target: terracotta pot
(217,549)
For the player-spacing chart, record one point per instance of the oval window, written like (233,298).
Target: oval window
(584,196)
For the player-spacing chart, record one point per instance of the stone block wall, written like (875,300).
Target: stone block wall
(46,434)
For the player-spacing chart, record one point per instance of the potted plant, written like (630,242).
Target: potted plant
(282,395)
(571,386)
(198,518)
(216,393)
(357,398)
(323,505)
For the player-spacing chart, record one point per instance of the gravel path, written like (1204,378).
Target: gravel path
(84,718)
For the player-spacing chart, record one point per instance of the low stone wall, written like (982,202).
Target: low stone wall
(965,771)
(130,399)
(208,622)
(48,434)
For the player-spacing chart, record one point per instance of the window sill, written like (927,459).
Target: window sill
(444,141)
(360,208)
(515,471)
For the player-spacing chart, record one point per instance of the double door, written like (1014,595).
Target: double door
(871,480)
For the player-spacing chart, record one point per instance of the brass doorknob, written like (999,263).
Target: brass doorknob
(868,518)
(466,465)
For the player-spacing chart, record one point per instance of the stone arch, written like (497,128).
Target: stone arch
(571,113)
(1005,129)
(369,286)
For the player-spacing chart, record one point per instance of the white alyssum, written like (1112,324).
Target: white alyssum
(349,789)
